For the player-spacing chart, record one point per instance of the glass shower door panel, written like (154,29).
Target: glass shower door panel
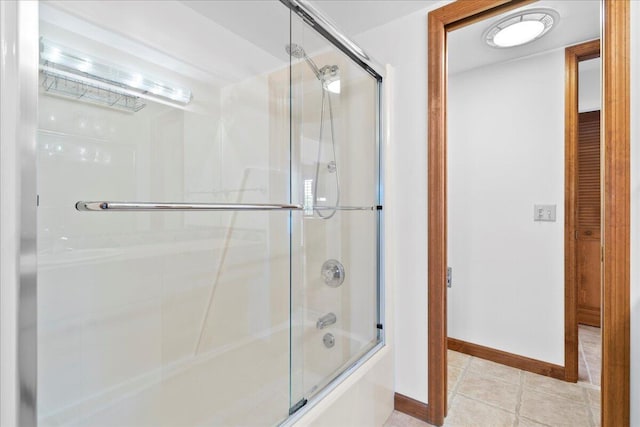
(154,317)
(335,238)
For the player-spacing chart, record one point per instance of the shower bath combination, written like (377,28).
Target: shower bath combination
(329,79)
(181,278)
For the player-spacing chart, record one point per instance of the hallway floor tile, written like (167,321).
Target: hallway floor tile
(487,394)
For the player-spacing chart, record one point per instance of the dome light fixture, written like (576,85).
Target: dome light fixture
(521,28)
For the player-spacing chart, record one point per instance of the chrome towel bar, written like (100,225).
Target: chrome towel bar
(102,206)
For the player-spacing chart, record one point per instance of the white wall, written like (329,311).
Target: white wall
(589,85)
(635,213)
(403,44)
(505,154)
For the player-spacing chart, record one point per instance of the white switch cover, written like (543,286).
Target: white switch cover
(544,213)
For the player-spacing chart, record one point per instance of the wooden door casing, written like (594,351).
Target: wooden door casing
(615,212)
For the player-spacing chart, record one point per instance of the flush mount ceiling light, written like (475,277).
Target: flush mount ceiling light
(521,28)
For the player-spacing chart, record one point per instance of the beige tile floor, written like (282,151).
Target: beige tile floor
(589,354)
(483,393)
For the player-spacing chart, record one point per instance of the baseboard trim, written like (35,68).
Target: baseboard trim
(509,359)
(409,406)
(589,317)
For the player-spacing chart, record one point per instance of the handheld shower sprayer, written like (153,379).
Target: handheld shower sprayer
(298,52)
(328,76)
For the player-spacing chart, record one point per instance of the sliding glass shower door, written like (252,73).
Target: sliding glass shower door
(209,213)
(335,131)
(154,314)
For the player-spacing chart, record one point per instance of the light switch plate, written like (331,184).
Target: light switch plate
(544,213)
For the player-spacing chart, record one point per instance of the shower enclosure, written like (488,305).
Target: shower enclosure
(209,212)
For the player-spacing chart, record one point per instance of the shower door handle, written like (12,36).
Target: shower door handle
(102,206)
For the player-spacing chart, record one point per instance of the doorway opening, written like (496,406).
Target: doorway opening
(615,202)
(583,236)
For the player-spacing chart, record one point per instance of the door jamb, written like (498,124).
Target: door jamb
(573,55)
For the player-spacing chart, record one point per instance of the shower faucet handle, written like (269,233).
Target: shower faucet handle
(326,320)
(332,273)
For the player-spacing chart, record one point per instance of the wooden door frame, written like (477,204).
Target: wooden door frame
(615,228)
(573,55)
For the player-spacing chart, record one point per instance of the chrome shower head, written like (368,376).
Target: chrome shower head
(295,50)
(298,52)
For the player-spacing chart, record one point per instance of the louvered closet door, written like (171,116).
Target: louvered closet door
(588,220)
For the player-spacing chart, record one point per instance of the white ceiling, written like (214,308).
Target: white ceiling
(251,19)
(224,41)
(579,21)
(264,24)
(357,16)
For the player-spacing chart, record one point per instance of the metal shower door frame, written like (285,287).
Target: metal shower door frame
(19,36)
(18,205)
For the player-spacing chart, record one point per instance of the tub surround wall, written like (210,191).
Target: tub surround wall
(140,283)
(366,397)
(140,323)
(135,306)
(316,240)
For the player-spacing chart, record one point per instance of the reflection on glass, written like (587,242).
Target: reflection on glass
(156,318)
(199,318)
(334,242)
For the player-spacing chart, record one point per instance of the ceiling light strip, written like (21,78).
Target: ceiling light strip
(71,63)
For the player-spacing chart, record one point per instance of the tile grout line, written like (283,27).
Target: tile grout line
(584,402)
(562,398)
(454,392)
(591,384)
(516,422)
(491,405)
(585,395)
(495,376)
(464,373)
(583,398)
(584,359)
(594,334)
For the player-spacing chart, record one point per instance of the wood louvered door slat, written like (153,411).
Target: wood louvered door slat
(588,218)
